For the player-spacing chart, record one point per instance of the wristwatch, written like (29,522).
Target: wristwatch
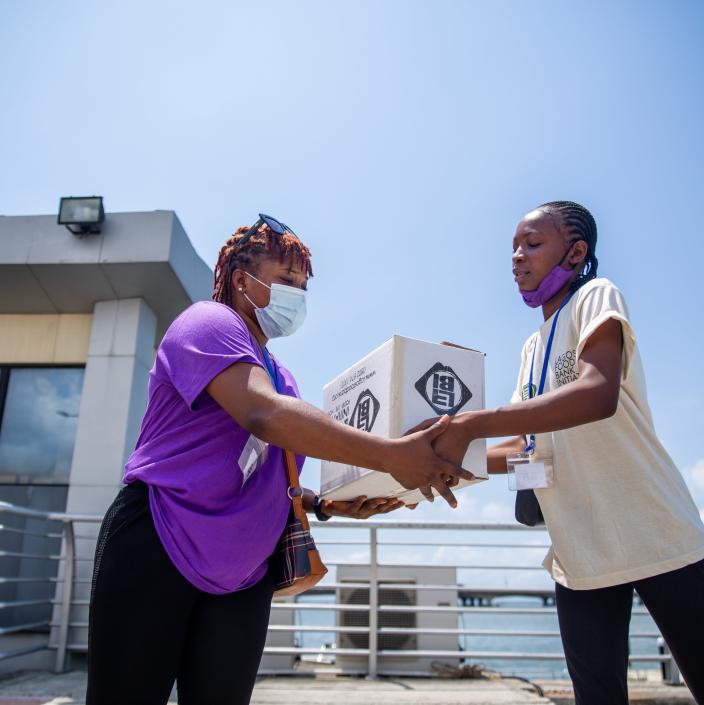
(318,509)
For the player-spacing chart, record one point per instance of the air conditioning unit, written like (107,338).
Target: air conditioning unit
(398,576)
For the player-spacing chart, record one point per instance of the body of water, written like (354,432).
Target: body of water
(543,621)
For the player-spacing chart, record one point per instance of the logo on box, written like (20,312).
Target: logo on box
(441,387)
(365,411)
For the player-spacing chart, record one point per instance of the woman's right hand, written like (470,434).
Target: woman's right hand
(453,443)
(413,462)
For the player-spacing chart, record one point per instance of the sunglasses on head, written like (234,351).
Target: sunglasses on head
(275,226)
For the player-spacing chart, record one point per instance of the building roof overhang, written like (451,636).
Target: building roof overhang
(46,269)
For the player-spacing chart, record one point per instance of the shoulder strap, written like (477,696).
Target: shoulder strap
(294,488)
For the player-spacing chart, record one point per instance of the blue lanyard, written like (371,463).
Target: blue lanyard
(271,367)
(546,361)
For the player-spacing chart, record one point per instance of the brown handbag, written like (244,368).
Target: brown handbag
(295,565)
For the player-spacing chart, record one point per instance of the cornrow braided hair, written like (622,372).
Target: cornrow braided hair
(261,245)
(580,224)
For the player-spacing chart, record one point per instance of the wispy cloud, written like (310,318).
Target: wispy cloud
(696,472)
(694,477)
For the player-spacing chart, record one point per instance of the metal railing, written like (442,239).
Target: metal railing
(60,553)
(373,538)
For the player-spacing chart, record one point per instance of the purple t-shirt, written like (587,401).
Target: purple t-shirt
(217,494)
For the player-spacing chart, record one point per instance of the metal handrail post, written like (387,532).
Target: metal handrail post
(373,604)
(66,596)
(670,669)
(376,654)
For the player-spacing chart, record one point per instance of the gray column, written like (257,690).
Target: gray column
(120,355)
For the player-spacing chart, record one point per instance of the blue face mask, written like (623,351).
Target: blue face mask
(285,312)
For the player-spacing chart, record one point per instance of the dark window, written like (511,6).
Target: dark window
(38,421)
(39,418)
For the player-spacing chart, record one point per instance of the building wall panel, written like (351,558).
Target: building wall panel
(31,339)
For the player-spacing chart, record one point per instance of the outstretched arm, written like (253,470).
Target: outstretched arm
(496,455)
(591,397)
(245,392)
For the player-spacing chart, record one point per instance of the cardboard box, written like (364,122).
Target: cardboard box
(392,389)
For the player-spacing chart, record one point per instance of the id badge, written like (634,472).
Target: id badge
(526,472)
(252,457)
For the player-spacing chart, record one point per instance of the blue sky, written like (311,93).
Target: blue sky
(402,141)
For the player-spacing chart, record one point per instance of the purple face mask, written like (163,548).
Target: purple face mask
(550,285)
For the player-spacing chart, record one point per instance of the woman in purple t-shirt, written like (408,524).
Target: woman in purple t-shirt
(181,591)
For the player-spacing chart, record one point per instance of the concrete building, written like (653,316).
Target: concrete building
(98,306)
(80,319)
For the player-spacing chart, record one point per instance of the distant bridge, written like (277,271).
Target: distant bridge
(482,597)
(485,597)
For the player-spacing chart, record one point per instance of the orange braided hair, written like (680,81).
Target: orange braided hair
(262,244)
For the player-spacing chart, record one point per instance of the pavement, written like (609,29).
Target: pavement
(640,692)
(406,691)
(41,688)
(44,688)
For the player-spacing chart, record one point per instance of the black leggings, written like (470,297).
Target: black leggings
(149,627)
(594,628)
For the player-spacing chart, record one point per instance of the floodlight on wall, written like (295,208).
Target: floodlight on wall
(81,215)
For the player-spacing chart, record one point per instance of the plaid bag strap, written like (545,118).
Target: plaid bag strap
(295,492)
